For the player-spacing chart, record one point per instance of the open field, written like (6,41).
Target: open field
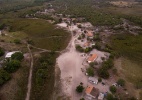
(43,34)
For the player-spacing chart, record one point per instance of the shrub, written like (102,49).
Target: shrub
(1,52)
(79,48)
(98,46)
(87,49)
(79,88)
(17,56)
(91,64)
(121,82)
(112,89)
(17,41)
(99,79)
(4,76)
(12,66)
(90,71)
(41,75)
(110,97)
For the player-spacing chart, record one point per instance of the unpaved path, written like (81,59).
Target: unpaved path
(30,74)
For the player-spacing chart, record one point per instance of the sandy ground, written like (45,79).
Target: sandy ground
(70,64)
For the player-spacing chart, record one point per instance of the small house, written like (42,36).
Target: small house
(92,58)
(92,92)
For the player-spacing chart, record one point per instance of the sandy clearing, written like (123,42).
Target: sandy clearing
(70,64)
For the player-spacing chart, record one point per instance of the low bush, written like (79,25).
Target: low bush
(1,52)
(112,89)
(12,66)
(4,76)
(17,56)
(90,71)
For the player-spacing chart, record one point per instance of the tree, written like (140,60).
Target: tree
(121,82)
(112,89)
(90,71)
(108,64)
(4,76)
(1,52)
(103,73)
(41,75)
(79,48)
(79,88)
(17,56)
(12,66)
(99,79)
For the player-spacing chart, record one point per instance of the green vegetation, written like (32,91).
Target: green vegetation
(80,88)
(1,52)
(4,76)
(17,41)
(106,65)
(82,99)
(128,46)
(110,97)
(113,89)
(40,32)
(85,9)
(90,71)
(99,79)
(79,48)
(17,56)
(92,64)
(43,76)
(103,73)
(121,82)
(12,66)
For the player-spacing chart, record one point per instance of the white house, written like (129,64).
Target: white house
(9,54)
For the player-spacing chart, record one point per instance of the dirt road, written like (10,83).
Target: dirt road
(30,75)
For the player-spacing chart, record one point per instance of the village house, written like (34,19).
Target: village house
(92,58)
(87,44)
(90,34)
(92,92)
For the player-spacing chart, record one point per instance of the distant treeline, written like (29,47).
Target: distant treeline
(14,5)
